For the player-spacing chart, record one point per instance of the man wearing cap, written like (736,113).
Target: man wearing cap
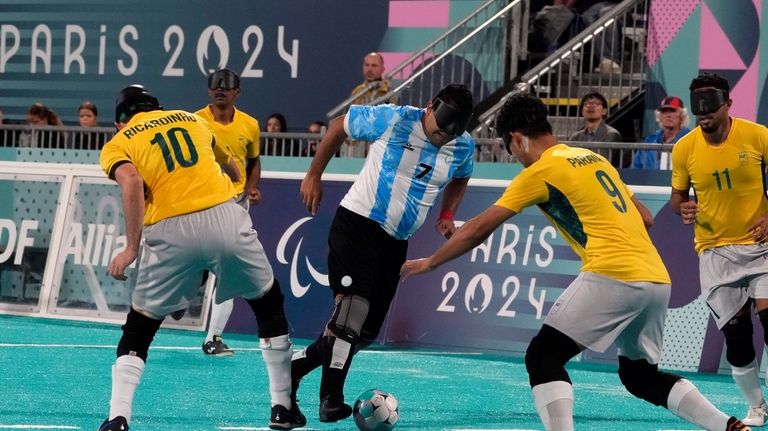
(240,132)
(415,154)
(673,120)
(723,160)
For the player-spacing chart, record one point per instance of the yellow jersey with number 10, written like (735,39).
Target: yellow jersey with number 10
(174,153)
(727,180)
(583,196)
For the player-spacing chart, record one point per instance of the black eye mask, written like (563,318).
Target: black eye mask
(707,101)
(449,118)
(223,79)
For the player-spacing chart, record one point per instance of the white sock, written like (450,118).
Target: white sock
(748,380)
(554,402)
(277,354)
(219,317)
(686,401)
(126,374)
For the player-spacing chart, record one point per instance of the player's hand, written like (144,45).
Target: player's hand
(311,193)
(759,230)
(445,227)
(254,196)
(416,266)
(688,212)
(120,262)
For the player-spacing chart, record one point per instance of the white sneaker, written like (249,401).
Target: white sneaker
(756,415)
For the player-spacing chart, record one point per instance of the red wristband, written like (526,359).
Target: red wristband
(445,215)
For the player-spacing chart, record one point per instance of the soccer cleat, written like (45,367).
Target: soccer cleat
(284,419)
(756,415)
(117,424)
(178,314)
(736,425)
(216,347)
(332,410)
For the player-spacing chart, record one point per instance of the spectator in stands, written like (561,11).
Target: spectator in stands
(310,149)
(89,117)
(673,120)
(607,54)
(373,87)
(594,110)
(551,23)
(276,147)
(39,115)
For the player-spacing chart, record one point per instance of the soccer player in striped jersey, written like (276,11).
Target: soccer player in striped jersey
(622,291)
(415,154)
(180,213)
(724,160)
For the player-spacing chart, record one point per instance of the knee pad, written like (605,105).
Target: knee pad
(763,315)
(738,340)
(138,333)
(348,318)
(270,313)
(645,381)
(547,355)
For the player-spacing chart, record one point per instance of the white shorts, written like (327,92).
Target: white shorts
(596,310)
(176,251)
(730,275)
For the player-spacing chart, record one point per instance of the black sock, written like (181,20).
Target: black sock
(332,382)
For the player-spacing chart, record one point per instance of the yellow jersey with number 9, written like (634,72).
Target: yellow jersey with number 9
(583,196)
(175,153)
(727,180)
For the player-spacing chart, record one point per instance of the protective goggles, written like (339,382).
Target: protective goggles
(449,118)
(705,102)
(224,79)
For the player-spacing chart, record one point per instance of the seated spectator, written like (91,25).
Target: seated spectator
(39,115)
(310,149)
(673,120)
(276,147)
(606,45)
(89,117)
(594,110)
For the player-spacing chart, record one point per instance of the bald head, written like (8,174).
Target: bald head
(373,67)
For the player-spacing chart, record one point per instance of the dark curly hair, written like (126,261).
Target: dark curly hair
(524,113)
(706,79)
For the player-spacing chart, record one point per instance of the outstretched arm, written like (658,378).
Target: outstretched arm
(454,192)
(471,234)
(311,188)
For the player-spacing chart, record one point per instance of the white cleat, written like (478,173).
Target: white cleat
(756,415)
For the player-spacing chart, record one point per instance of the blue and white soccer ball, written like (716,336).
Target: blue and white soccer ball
(376,410)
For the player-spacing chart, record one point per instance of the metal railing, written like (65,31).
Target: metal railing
(481,51)
(305,144)
(607,57)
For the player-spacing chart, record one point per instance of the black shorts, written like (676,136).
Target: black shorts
(365,260)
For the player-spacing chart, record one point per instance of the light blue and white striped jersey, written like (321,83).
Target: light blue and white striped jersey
(404,172)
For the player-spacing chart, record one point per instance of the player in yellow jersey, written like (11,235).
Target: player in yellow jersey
(240,132)
(622,291)
(165,164)
(723,160)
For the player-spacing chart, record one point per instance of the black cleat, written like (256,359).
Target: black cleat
(736,425)
(332,410)
(178,314)
(216,347)
(284,419)
(117,424)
